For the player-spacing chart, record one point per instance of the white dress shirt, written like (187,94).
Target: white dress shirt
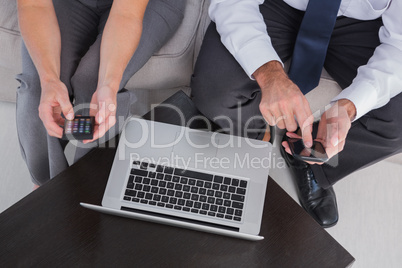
(243,32)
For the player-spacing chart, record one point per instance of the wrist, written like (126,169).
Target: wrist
(349,107)
(48,78)
(107,91)
(268,71)
(111,85)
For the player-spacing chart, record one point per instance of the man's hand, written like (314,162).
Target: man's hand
(54,101)
(333,128)
(282,102)
(103,106)
(335,125)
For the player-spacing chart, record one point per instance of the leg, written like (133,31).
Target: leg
(352,44)
(220,87)
(43,154)
(161,20)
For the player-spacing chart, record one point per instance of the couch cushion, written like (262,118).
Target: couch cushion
(10,55)
(8,15)
(9,35)
(172,66)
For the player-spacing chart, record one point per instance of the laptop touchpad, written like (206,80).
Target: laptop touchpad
(195,146)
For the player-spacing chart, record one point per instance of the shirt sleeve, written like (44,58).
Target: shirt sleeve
(381,78)
(243,32)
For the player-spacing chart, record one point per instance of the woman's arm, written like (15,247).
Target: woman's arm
(41,34)
(120,39)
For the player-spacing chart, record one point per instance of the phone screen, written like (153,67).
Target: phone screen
(316,153)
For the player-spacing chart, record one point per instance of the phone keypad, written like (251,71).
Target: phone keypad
(79,128)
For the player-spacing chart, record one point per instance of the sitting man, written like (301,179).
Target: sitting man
(239,75)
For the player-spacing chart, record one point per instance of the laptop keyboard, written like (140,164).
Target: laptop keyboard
(186,190)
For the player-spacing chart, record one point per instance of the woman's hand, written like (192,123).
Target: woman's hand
(54,101)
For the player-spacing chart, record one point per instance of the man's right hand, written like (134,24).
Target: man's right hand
(282,102)
(54,101)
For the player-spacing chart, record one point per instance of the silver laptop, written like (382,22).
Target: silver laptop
(189,178)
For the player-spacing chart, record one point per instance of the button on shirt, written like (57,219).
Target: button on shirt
(243,32)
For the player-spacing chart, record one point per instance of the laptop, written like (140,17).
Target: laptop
(174,175)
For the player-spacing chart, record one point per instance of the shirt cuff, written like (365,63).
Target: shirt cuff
(255,54)
(362,94)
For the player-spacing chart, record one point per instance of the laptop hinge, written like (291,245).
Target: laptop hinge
(150,213)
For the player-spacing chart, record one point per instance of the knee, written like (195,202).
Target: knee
(29,86)
(391,118)
(209,100)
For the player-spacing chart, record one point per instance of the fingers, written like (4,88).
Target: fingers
(332,138)
(293,135)
(66,107)
(47,116)
(104,111)
(290,123)
(105,116)
(286,146)
(58,119)
(54,101)
(269,118)
(307,129)
(288,113)
(101,129)
(333,129)
(306,120)
(280,120)
(283,120)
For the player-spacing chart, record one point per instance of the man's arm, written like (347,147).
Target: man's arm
(120,39)
(375,84)
(381,78)
(243,32)
(41,34)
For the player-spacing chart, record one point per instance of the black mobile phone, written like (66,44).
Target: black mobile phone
(314,154)
(80,128)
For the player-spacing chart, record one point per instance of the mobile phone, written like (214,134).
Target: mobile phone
(80,128)
(314,154)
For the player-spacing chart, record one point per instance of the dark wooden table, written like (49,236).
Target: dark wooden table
(49,228)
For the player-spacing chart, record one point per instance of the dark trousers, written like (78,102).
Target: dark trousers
(81,25)
(221,89)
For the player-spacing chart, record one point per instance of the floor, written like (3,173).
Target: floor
(370,203)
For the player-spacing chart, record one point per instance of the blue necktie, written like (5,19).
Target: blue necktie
(312,43)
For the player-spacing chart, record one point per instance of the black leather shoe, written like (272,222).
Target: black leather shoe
(320,203)
(272,131)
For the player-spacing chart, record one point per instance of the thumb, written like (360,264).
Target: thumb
(66,107)
(307,137)
(106,109)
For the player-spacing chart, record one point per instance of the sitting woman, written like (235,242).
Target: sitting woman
(82,53)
